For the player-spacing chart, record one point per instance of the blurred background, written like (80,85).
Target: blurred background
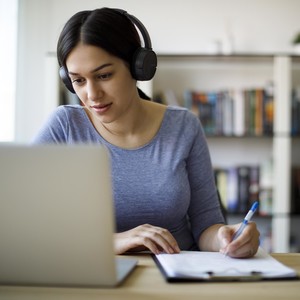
(29,30)
(202,46)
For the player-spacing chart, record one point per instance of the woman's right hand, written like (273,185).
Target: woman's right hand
(146,237)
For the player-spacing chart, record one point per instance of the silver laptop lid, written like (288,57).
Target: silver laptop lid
(56,216)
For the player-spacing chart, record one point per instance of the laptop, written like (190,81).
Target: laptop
(57,217)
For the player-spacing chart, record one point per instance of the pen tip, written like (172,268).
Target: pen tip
(255,205)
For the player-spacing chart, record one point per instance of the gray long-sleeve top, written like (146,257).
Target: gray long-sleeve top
(168,182)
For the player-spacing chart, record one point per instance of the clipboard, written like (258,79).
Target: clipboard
(190,266)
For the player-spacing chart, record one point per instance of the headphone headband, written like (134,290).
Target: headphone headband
(139,25)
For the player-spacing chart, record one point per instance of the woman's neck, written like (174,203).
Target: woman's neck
(136,128)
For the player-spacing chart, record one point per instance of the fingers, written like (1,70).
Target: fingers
(246,245)
(156,239)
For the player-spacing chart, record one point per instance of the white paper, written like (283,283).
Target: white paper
(200,264)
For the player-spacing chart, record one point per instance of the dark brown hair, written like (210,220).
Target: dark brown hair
(105,28)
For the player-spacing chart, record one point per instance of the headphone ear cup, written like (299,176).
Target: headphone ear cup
(144,64)
(66,79)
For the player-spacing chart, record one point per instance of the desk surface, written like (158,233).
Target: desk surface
(146,282)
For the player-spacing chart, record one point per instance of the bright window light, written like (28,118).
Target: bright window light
(8,63)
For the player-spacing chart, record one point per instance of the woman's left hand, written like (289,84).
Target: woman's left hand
(246,245)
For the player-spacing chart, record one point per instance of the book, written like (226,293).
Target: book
(239,113)
(295,126)
(295,195)
(243,188)
(232,190)
(258,124)
(238,186)
(266,188)
(215,266)
(265,201)
(252,109)
(254,180)
(268,110)
(228,111)
(221,183)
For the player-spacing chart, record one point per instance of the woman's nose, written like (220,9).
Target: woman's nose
(94,90)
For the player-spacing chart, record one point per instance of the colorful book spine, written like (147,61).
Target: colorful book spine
(233,112)
(239,187)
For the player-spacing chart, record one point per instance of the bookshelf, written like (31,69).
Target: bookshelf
(179,73)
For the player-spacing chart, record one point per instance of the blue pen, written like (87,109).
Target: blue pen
(246,220)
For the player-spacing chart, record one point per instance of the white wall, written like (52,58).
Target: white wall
(189,26)
(8,33)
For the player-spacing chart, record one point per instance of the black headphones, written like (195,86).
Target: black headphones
(144,62)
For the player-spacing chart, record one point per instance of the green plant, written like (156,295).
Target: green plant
(296,39)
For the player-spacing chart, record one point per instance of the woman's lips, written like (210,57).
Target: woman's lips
(101,108)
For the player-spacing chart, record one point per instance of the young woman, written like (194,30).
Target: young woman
(164,190)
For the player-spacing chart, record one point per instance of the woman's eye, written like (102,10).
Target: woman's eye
(77,80)
(104,76)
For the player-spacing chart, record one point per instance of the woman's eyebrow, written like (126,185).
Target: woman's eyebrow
(94,70)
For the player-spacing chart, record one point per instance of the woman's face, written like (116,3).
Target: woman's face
(103,82)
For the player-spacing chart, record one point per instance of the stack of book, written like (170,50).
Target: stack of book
(233,112)
(247,112)
(240,186)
